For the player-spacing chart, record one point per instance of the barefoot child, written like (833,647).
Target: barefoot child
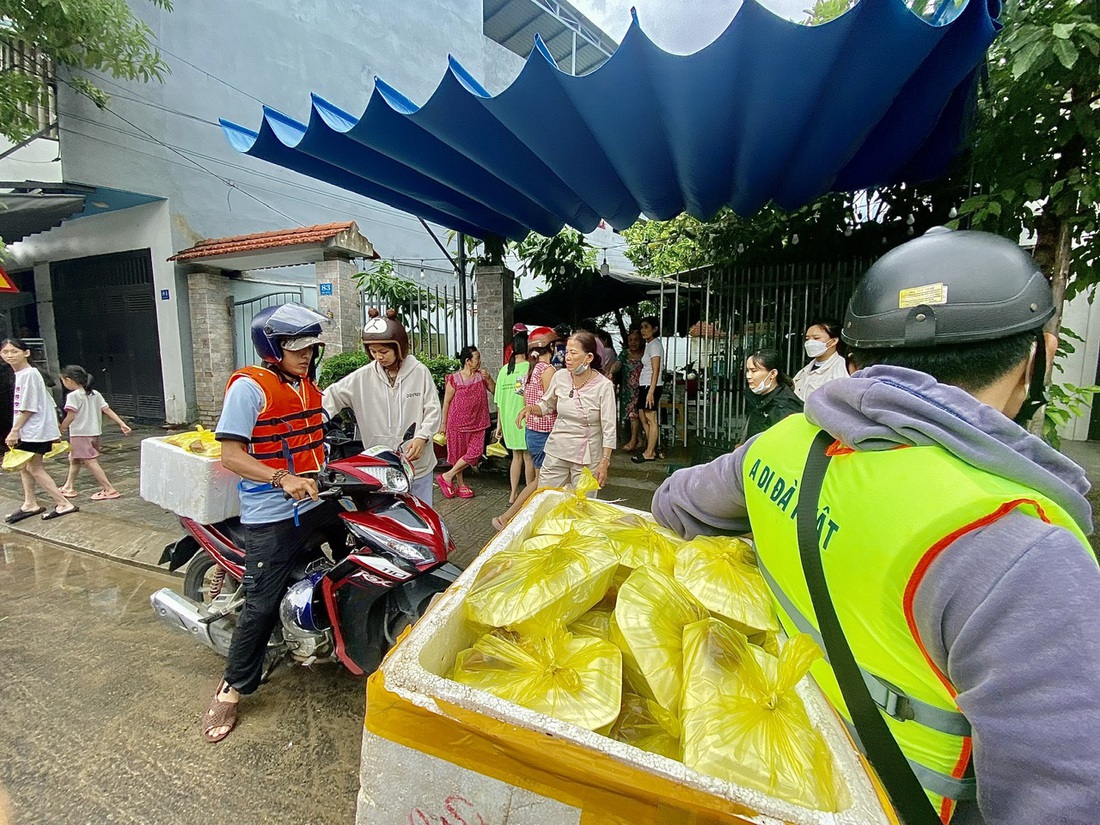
(34,429)
(84,411)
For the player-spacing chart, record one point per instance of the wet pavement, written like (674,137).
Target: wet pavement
(100,707)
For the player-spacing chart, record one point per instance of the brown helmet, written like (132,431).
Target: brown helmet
(386,330)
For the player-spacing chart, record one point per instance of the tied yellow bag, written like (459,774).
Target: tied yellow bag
(650,615)
(646,725)
(549,578)
(496,450)
(743,721)
(638,541)
(577,506)
(596,622)
(722,574)
(200,441)
(440,439)
(572,678)
(58,448)
(15,459)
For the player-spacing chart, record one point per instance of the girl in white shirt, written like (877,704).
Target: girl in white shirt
(34,429)
(84,411)
(822,339)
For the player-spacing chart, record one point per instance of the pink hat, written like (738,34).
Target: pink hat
(519,328)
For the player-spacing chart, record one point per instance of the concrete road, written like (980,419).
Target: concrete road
(100,708)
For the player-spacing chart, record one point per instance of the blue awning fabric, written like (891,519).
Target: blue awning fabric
(770,111)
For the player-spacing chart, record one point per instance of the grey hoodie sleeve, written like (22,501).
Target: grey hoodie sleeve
(433,411)
(337,396)
(705,500)
(1011,613)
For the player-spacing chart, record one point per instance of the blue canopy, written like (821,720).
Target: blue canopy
(770,111)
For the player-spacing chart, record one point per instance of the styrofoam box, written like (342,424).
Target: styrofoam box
(393,784)
(187,484)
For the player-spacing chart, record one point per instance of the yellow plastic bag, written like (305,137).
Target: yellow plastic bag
(199,441)
(721,573)
(646,725)
(650,614)
(15,459)
(596,622)
(496,450)
(638,541)
(440,439)
(743,721)
(577,506)
(548,578)
(576,679)
(58,448)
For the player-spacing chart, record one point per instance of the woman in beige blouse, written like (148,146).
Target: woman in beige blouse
(584,434)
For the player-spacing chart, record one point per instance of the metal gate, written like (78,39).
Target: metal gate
(244,354)
(105,313)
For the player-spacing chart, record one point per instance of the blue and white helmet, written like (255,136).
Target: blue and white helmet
(287,326)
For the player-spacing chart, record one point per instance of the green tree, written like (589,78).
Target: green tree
(77,35)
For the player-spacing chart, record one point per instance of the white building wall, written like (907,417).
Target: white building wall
(1082,316)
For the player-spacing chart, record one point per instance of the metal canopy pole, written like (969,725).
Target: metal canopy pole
(461,266)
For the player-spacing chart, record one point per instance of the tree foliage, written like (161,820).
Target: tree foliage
(77,35)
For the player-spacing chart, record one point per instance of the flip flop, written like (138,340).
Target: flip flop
(68,493)
(55,514)
(641,459)
(465,492)
(444,485)
(21,514)
(105,496)
(220,715)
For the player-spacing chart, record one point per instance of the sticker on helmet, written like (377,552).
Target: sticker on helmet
(927,295)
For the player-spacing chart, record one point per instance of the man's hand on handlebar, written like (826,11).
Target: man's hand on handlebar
(299,488)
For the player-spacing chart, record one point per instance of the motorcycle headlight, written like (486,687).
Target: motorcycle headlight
(391,478)
(416,553)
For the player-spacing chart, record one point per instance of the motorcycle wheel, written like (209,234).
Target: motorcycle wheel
(201,573)
(398,623)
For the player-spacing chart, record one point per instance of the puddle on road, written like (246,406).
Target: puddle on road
(112,588)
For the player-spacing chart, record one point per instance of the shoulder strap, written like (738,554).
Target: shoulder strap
(882,750)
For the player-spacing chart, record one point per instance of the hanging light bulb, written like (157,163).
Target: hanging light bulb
(847,232)
(954,213)
(740,247)
(422,269)
(794,238)
(910,231)
(910,220)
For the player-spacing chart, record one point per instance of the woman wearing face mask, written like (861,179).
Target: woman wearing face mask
(822,339)
(772,398)
(584,433)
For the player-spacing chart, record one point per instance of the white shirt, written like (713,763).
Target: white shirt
(817,374)
(586,417)
(31,396)
(89,407)
(654,349)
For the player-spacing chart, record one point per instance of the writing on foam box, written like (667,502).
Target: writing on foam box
(187,484)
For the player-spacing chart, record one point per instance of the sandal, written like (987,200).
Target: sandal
(220,715)
(640,458)
(446,486)
(55,513)
(465,492)
(67,493)
(21,514)
(103,495)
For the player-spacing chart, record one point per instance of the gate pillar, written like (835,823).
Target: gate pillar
(495,297)
(212,338)
(338,298)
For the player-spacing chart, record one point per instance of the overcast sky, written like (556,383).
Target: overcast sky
(681,26)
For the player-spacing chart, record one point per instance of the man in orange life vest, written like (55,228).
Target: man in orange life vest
(950,556)
(271,436)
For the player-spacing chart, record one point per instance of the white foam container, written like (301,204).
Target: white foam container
(187,484)
(398,783)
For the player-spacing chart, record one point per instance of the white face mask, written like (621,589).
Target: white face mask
(762,388)
(814,348)
(580,370)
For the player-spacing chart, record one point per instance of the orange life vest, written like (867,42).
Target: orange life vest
(288,434)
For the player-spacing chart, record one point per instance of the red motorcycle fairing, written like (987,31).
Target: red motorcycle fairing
(219,542)
(403,518)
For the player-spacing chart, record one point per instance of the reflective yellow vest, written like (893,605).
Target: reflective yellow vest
(883,518)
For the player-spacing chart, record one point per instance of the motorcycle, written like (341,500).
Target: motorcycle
(349,604)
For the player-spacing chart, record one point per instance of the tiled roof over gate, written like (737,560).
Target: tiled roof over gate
(239,244)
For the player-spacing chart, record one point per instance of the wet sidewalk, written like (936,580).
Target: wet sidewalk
(134,531)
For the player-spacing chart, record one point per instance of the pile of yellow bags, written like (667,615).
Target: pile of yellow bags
(612,623)
(199,441)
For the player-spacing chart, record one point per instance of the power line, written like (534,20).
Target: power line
(211,76)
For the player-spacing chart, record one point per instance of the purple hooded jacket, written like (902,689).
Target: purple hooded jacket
(1010,611)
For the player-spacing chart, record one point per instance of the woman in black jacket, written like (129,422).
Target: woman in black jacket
(773,397)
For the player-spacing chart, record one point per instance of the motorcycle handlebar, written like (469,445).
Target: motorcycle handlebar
(330,493)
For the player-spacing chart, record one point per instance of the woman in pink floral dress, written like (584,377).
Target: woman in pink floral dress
(465,419)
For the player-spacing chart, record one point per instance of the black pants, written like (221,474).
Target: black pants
(271,553)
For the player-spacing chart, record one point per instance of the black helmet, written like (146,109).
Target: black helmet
(386,330)
(292,326)
(947,287)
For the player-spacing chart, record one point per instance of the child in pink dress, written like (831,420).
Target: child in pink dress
(465,419)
